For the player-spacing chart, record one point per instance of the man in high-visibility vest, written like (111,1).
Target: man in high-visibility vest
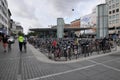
(21,40)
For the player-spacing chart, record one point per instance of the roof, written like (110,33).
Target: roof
(55,29)
(19,27)
(66,25)
(75,20)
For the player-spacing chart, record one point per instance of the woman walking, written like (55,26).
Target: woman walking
(5,39)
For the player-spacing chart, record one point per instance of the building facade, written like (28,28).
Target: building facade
(16,28)
(9,22)
(113,16)
(89,20)
(19,28)
(93,20)
(75,23)
(4,18)
(102,21)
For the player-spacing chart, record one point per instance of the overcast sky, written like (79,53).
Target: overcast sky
(41,13)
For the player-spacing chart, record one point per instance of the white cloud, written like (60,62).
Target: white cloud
(41,13)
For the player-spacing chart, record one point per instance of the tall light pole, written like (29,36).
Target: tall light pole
(115,36)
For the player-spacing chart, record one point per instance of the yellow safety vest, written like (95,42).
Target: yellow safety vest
(20,38)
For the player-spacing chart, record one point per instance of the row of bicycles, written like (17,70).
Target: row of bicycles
(71,48)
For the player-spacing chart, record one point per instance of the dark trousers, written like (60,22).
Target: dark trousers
(20,46)
(25,47)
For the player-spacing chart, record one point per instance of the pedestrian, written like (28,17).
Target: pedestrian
(20,40)
(9,43)
(69,51)
(54,44)
(0,37)
(24,43)
(75,50)
(65,52)
(5,39)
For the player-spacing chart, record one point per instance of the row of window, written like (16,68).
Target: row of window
(6,2)
(113,6)
(3,5)
(113,1)
(4,10)
(3,19)
(114,21)
(114,11)
(114,17)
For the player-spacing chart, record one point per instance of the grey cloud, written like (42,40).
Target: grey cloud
(21,9)
(24,13)
(65,6)
(45,12)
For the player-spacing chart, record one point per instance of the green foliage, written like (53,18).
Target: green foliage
(32,33)
(20,34)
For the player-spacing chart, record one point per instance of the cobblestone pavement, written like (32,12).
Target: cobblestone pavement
(29,67)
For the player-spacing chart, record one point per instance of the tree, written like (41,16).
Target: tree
(32,33)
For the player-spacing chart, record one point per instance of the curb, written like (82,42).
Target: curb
(41,57)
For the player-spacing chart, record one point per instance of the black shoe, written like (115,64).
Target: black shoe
(20,50)
(25,51)
(5,51)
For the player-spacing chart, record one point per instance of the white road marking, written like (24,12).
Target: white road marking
(116,69)
(103,61)
(111,60)
(60,73)
(73,70)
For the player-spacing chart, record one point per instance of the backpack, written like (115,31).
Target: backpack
(25,40)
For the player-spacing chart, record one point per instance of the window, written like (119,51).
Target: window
(113,6)
(113,16)
(117,16)
(117,21)
(112,1)
(109,7)
(114,21)
(110,22)
(117,4)
(109,12)
(0,16)
(113,11)
(117,10)
(109,2)
(109,17)
(117,0)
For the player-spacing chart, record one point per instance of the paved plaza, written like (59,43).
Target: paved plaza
(33,65)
